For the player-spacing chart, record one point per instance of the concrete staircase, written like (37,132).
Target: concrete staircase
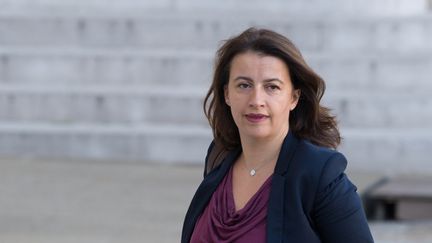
(125,80)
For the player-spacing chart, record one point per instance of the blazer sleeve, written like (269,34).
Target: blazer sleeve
(338,213)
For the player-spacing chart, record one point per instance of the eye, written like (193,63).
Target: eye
(244,85)
(273,87)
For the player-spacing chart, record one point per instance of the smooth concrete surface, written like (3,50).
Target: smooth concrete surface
(98,201)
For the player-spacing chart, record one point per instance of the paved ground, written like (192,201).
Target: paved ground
(71,201)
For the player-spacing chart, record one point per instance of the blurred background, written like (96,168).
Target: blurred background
(102,134)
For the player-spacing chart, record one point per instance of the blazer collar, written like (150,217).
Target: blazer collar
(275,211)
(213,179)
(205,192)
(286,153)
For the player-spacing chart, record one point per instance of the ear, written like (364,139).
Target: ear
(296,98)
(227,101)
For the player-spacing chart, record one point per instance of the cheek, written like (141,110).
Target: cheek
(282,108)
(235,109)
(235,101)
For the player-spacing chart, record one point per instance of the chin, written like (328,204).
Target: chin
(257,134)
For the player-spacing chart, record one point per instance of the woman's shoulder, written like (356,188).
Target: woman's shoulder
(321,163)
(320,152)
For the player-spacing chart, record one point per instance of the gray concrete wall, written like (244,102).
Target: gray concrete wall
(312,7)
(125,80)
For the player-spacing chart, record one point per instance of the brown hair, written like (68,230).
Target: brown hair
(309,120)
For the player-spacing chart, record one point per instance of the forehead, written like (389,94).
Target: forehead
(258,65)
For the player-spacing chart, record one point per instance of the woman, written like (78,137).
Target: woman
(272,174)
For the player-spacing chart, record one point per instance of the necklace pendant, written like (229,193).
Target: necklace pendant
(252,172)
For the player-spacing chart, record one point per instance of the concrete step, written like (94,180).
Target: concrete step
(207,29)
(370,70)
(407,72)
(183,105)
(170,143)
(380,108)
(390,151)
(104,66)
(401,198)
(312,7)
(385,150)
(103,105)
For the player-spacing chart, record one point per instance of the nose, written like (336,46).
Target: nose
(257,98)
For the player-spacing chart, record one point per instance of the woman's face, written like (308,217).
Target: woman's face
(261,95)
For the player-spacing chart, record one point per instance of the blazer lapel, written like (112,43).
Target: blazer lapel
(204,193)
(275,212)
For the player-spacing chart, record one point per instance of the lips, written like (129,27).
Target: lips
(255,118)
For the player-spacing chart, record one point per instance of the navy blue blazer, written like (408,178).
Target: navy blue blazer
(311,198)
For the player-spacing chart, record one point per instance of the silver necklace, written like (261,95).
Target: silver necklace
(253,171)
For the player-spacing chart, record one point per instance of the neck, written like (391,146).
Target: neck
(257,152)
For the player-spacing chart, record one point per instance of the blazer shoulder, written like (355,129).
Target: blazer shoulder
(317,155)
(322,164)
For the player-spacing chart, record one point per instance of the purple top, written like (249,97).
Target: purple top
(220,222)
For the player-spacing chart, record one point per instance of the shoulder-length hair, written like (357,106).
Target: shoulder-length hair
(309,120)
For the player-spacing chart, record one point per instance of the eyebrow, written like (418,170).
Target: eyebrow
(251,80)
